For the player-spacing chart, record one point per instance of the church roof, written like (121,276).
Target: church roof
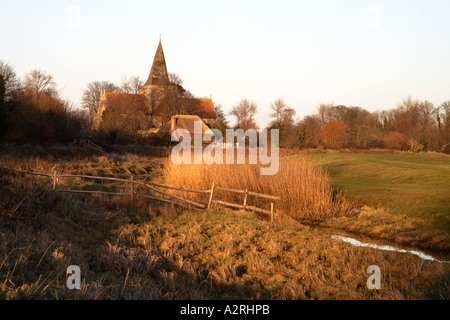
(158,73)
(114,98)
(122,101)
(204,108)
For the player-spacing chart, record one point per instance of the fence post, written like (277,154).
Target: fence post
(271,212)
(245,198)
(131,188)
(211,195)
(54,179)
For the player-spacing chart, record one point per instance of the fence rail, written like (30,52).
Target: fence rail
(34,173)
(172,195)
(175,199)
(87,142)
(175,188)
(91,177)
(251,193)
(96,191)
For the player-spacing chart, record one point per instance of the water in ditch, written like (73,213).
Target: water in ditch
(359,240)
(357,243)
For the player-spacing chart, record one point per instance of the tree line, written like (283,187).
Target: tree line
(414,125)
(32,111)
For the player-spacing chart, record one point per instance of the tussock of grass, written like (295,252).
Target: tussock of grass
(304,190)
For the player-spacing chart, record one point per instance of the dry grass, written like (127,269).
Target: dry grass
(147,250)
(304,189)
(380,224)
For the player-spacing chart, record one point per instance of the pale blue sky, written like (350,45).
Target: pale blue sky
(356,53)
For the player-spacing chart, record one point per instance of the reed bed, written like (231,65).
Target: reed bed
(305,190)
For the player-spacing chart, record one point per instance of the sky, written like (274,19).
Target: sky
(370,54)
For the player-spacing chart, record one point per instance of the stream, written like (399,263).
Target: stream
(358,243)
(360,240)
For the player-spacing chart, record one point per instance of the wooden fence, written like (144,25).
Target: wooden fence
(175,199)
(87,143)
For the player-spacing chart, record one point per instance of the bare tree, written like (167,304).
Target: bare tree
(244,113)
(283,114)
(445,110)
(219,111)
(131,85)
(175,79)
(408,121)
(2,90)
(278,108)
(309,131)
(38,82)
(427,124)
(443,119)
(12,85)
(91,95)
(283,120)
(325,112)
(364,128)
(125,118)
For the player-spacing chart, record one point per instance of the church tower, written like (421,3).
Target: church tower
(158,73)
(158,76)
(157,82)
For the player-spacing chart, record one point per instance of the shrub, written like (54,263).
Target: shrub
(395,140)
(446,149)
(335,134)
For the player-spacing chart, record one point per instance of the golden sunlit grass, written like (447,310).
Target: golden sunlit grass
(147,250)
(304,189)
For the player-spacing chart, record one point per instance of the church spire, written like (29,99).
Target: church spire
(158,73)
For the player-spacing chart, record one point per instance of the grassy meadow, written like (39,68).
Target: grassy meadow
(404,189)
(152,250)
(415,185)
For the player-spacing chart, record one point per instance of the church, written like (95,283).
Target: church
(162,101)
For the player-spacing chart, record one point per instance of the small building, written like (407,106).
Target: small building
(187,122)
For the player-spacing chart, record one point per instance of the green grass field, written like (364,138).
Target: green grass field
(417,186)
